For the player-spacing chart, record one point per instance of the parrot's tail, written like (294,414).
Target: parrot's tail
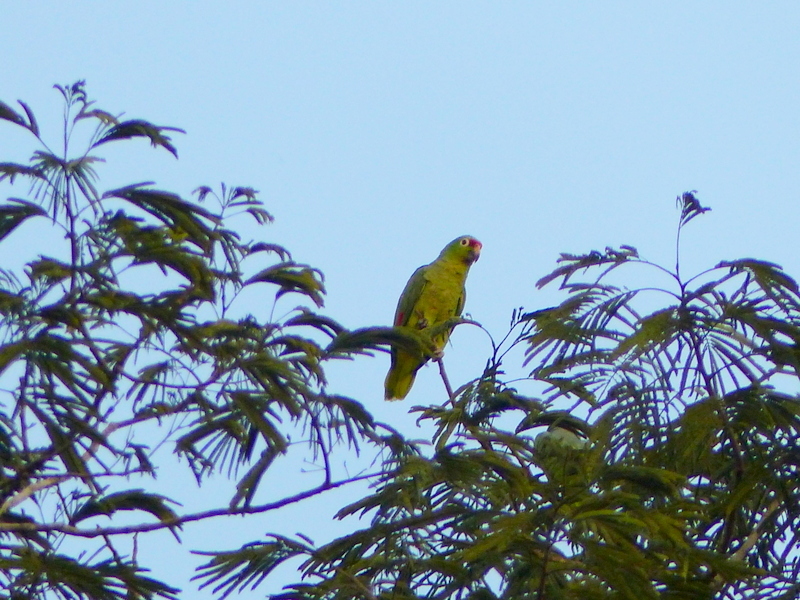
(399,380)
(398,384)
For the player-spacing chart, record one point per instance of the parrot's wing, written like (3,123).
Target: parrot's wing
(410,296)
(462,299)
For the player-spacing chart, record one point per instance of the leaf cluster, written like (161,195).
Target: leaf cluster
(659,459)
(665,463)
(129,338)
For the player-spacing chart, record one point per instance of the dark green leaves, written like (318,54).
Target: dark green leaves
(572,263)
(665,464)
(247,567)
(15,212)
(656,328)
(11,170)
(659,458)
(291,277)
(772,280)
(7,113)
(138,128)
(185,220)
(11,352)
(124,334)
(375,338)
(690,206)
(154,504)
(47,573)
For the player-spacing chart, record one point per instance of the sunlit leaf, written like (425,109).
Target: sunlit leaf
(651,330)
(51,269)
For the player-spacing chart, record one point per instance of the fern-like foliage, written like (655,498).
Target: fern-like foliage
(129,336)
(661,460)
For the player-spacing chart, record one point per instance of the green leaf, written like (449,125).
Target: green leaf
(572,263)
(248,485)
(126,500)
(185,219)
(272,248)
(10,302)
(654,329)
(139,128)
(104,117)
(112,579)
(377,338)
(247,566)
(49,268)
(63,444)
(657,481)
(306,318)
(32,124)
(10,171)
(690,206)
(253,408)
(15,213)
(9,114)
(768,275)
(31,536)
(11,352)
(149,375)
(291,277)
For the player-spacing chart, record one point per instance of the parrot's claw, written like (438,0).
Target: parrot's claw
(437,354)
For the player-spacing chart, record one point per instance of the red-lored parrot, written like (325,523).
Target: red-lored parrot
(434,294)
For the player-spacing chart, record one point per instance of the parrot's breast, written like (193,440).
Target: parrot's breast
(439,301)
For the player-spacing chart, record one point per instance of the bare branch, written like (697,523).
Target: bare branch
(177,522)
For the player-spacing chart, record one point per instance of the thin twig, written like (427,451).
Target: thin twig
(42,484)
(751,539)
(446,381)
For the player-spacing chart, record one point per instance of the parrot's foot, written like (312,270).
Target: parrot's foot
(437,354)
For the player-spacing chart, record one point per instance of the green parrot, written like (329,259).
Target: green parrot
(434,294)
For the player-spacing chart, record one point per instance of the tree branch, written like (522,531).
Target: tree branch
(751,539)
(177,522)
(31,489)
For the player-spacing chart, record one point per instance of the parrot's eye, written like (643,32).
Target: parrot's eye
(464,241)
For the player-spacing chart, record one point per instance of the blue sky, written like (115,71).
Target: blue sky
(377,132)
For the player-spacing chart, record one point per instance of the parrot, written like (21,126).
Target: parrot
(434,294)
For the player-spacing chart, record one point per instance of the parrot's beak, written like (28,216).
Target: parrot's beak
(475,251)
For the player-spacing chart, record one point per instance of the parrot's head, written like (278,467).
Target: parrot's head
(465,248)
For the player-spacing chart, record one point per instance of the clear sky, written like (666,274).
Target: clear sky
(379,131)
